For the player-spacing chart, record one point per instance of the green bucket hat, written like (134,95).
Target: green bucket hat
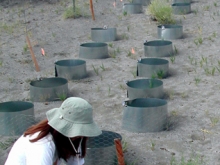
(73,118)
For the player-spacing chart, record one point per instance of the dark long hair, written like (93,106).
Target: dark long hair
(62,143)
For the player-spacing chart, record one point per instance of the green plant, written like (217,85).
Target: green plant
(215,4)
(214,121)
(175,50)
(197,80)
(207,71)
(113,54)
(96,70)
(206,8)
(213,71)
(125,13)
(160,74)
(62,96)
(214,34)
(128,28)
(69,13)
(218,69)
(134,73)
(102,67)
(7,28)
(153,144)
(124,36)
(205,59)
(118,50)
(161,11)
(172,59)
(129,54)
(151,84)
(53,34)
(110,45)
(198,40)
(122,87)
(124,145)
(153,76)
(191,59)
(25,48)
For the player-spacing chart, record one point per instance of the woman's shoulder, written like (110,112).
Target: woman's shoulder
(46,140)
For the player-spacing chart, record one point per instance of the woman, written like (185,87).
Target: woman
(62,135)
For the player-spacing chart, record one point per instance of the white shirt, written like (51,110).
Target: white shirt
(42,152)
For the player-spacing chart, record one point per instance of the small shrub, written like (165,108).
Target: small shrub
(161,11)
(69,13)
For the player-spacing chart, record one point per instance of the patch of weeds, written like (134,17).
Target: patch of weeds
(125,13)
(118,50)
(196,11)
(151,83)
(174,113)
(11,80)
(193,160)
(128,28)
(54,35)
(175,50)
(134,73)
(113,54)
(69,13)
(122,87)
(124,36)
(153,76)
(102,67)
(213,71)
(215,4)
(153,144)
(218,69)
(7,28)
(172,59)
(191,59)
(198,40)
(96,70)
(171,95)
(160,74)
(129,54)
(207,71)
(214,121)
(214,34)
(110,45)
(161,11)
(197,80)
(120,17)
(124,145)
(62,96)
(206,8)
(25,48)
(205,59)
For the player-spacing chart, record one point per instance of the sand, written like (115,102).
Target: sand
(191,89)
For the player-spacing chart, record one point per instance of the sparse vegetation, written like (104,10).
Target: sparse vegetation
(161,11)
(193,160)
(69,13)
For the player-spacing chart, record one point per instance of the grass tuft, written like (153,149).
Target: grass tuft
(161,11)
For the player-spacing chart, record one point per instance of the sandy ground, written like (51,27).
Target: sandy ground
(193,108)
